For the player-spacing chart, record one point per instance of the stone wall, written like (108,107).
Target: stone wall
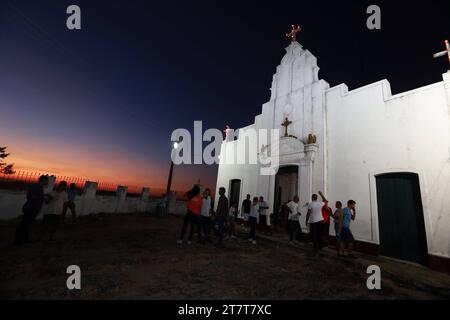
(89,202)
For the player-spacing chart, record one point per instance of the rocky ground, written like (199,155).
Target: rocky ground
(136,257)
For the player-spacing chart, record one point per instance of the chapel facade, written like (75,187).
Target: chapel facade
(389,153)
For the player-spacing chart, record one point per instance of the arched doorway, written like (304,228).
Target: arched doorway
(286,187)
(400,216)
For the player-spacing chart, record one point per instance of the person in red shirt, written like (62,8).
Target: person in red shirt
(192,217)
(326,213)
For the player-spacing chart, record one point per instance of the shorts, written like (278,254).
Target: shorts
(245,216)
(346,235)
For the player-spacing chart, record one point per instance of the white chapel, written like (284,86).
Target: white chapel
(389,153)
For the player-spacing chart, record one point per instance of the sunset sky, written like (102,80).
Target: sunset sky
(102,102)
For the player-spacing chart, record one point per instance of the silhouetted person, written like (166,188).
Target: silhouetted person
(263,206)
(222,214)
(70,204)
(31,208)
(246,206)
(54,210)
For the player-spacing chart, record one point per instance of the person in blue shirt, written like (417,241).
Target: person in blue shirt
(31,208)
(346,236)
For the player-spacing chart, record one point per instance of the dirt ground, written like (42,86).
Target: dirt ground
(136,257)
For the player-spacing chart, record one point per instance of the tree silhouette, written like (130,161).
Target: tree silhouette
(5,168)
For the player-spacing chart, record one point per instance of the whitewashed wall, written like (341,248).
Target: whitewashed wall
(246,173)
(369,132)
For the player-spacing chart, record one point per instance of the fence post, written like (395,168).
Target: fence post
(142,207)
(121,195)
(89,197)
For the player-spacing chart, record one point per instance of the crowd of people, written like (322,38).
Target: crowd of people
(318,220)
(254,216)
(202,220)
(54,205)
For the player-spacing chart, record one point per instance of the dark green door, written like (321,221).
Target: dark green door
(400,216)
(235,192)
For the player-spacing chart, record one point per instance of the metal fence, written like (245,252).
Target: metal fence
(20,180)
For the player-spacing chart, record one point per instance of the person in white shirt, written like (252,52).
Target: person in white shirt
(294,225)
(253,220)
(232,214)
(203,230)
(314,219)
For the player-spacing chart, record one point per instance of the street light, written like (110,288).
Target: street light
(169,180)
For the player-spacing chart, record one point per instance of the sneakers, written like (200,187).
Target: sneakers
(250,239)
(254,242)
(189,243)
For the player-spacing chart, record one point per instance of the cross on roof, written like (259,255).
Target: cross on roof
(443,53)
(286,124)
(293,33)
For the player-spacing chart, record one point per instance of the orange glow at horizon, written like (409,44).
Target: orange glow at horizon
(95,165)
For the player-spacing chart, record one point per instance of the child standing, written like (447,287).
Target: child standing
(253,220)
(232,213)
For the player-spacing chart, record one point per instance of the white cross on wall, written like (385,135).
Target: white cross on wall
(443,53)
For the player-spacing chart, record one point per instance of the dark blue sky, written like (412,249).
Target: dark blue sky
(102,102)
